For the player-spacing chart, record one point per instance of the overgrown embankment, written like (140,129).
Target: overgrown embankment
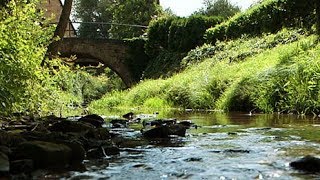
(270,73)
(253,62)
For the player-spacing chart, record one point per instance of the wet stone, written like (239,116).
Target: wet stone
(111,150)
(307,163)
(44,154)
(157,132)
(193,159)
(70,126)
(93,119)
(96,153)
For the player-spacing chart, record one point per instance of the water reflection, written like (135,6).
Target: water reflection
(225,146)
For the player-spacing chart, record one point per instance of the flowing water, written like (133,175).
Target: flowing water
(225,146)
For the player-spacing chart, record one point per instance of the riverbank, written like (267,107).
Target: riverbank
(271,73)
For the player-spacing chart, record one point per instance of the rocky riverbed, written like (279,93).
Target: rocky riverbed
(27,145)
(82,144)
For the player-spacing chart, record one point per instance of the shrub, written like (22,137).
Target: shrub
(269,16)
(243,47)
(137,60)
(177,34)
(23,41)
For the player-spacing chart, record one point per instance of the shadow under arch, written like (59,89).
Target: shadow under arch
(111,53)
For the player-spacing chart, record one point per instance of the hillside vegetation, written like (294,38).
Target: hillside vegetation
(270,65)
(270,73)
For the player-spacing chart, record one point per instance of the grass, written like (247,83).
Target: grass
(273,76)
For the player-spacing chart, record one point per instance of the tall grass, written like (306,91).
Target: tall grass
(281,74)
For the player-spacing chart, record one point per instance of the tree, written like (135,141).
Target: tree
(115,14)
(60,29)
(223,8)
(88,11)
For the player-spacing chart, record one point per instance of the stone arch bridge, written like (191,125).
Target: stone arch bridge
(123,57)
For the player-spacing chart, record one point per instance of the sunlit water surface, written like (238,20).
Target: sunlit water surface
(225,146)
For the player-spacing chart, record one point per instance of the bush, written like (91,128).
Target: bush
(242,48)
(269,16)
(177,34)
(137,60)
(23,41)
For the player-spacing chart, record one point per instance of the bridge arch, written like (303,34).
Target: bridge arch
(112,53)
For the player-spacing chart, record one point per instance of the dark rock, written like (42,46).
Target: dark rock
(129,142)
(193,159)
(177,129)
(159,122)
(94,119)
(4,163)
(307,163)
(157,132)
(40,127)
(111,150)
(99,133)
(186,123)
(119,123)
(21,166)
(10,139)
(156,123)
(70,126)
(78,152)
(236,151)
(232,133)
(96,153)
(128,115)
(44,154)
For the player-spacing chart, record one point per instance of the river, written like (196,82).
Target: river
(224,146)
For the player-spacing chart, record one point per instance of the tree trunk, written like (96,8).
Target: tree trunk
(60,30)
(318,16)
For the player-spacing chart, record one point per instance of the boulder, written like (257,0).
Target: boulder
(70,126)
(44,154)
(128,116)
(111,150)
(78,152)
(307,164)
(93,119)
(99,133)
(157,132)
(178,129)
(96,153)
(119,123)
(10,139)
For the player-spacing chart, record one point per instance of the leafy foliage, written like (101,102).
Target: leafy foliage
(169,38)
(138,59)
(177,34)
(242,48)
(232,79)
(223,8)
(269,16)
(23,42)
(119,13)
